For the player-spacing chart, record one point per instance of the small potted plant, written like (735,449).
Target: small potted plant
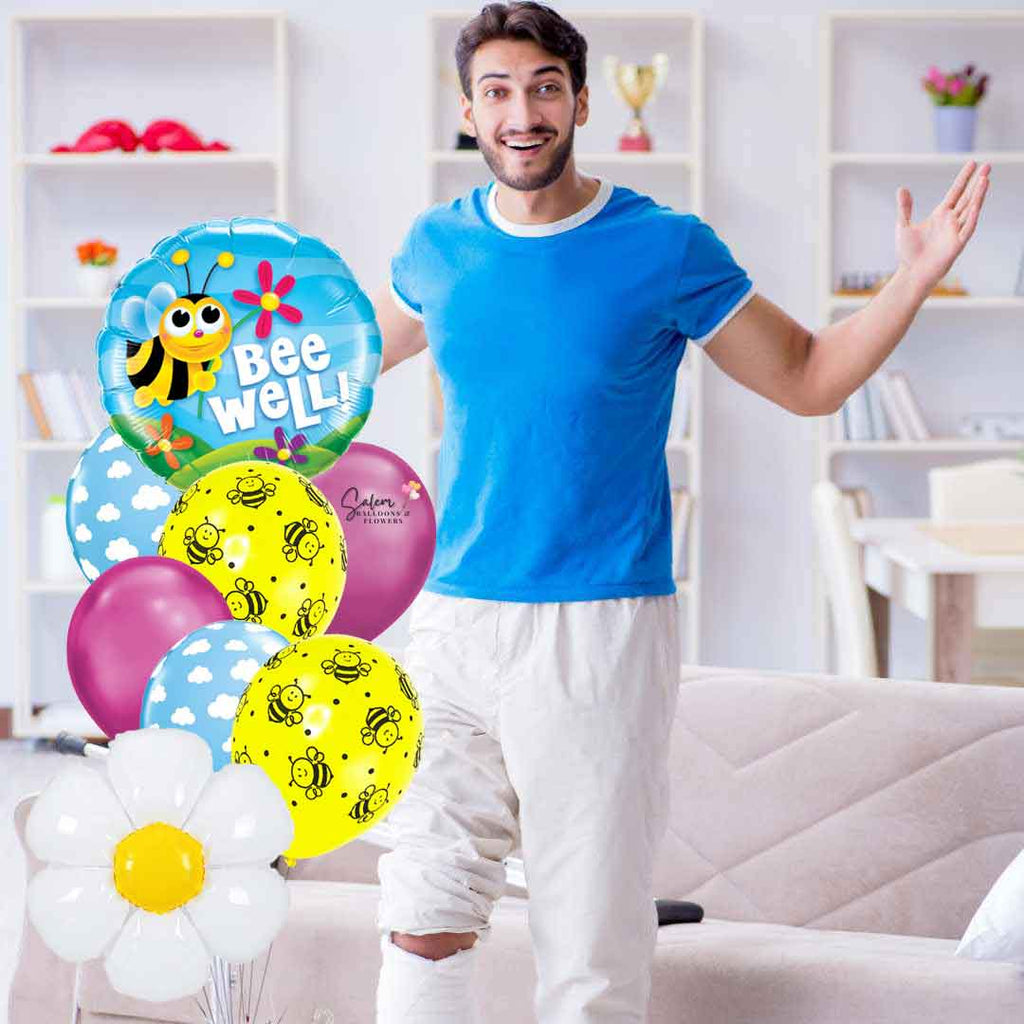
(956,97)
(95,268)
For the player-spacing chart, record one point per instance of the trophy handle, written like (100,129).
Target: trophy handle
(660,64)
(611,66)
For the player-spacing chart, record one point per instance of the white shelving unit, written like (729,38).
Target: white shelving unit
(876,134)
(132,200)
(673,173)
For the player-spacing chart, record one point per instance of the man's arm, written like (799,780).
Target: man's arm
(812,373)
(402,336)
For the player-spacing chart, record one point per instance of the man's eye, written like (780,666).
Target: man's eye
(550,85)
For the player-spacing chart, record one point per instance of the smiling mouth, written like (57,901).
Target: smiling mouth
(529,146)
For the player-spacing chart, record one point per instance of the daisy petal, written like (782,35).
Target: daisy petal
(298,457)
(76,819)
(246,296)
(263,324)
(239,911)
(297,441)
(284,286)
(159,773)
(265,275)
(279,437)
(158,957)
(77,911)
(241,818)
(264,453)
(290,313)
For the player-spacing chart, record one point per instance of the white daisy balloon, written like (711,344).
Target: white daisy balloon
(159,864)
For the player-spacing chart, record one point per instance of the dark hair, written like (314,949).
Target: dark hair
(522,19)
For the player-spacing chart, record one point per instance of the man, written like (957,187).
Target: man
(545,643)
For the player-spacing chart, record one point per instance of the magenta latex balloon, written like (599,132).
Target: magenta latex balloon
(126,621)
(390,532)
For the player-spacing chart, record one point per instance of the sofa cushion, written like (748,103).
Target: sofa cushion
(879,805)
(328,958)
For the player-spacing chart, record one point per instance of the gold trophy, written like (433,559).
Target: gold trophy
(635,85)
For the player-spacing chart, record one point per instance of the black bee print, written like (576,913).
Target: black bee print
(346,667)
(202,543)
(311,773)
(284,703)
(314,495)
(370,801)
(380,727)
(274,661)
(419,749)
(301,541)
(310,614)
(241,756)
(251,491)
(184,498)
(405,683)
(246,602)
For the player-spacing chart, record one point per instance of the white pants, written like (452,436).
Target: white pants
(549,724)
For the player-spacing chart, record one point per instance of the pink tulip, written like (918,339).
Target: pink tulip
(954,86)
(936,77)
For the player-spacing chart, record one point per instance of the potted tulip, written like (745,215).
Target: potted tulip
(96,268)
(956,97)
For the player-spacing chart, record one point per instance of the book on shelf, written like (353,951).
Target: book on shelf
(681,504)
(883,407)
(679,424)
(60,406)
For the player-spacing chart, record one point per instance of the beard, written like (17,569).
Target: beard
(528,179)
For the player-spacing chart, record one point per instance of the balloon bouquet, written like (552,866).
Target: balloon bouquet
(243,552)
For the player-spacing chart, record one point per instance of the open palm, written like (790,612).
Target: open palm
(930,247)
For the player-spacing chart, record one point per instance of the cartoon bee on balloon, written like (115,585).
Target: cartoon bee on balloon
(183,336)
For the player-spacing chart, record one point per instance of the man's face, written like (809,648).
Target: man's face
(523,112)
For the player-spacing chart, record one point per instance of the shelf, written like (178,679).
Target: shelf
(55,446)
(944,302)
(939,444)
(163,158)
(61,716)
(666,159)
(55,586)
(1008,156)
(67,302)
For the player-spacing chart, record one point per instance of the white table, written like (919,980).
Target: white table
(954,591)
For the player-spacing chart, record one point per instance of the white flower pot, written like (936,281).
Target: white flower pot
(95,282)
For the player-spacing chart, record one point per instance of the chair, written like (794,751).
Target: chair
(844,578)
(988,489)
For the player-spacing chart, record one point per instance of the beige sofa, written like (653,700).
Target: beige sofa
(838,832)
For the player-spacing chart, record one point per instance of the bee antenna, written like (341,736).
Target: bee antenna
(209,275)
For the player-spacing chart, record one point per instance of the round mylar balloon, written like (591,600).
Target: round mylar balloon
(335,722)
(268,540)
(116,507)
(197,684)
(236,340)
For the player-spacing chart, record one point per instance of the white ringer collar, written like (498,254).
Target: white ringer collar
(555,227)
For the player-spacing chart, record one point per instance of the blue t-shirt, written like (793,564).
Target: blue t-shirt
(557,347)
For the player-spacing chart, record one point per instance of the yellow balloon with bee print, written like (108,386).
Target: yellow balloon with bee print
(267,539)
(335,722)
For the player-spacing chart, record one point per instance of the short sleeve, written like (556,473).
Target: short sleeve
(712,286)
(404,274)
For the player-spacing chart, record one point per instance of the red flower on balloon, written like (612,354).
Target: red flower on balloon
(164,443)
(269,299)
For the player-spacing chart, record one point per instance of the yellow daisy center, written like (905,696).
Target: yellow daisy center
(284,454)
(269,301)
(163,444)
(159,867)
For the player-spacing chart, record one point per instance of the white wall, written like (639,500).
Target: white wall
(358,140)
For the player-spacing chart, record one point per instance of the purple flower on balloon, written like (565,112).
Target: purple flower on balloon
(287,448)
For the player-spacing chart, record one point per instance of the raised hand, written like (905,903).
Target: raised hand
(929,248)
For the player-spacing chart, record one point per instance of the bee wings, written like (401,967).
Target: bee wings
(142,316)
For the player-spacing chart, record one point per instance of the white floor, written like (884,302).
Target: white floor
(23,770)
